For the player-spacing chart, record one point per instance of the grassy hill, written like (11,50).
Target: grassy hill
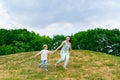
(83,65)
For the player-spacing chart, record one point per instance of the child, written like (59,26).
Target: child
(44,54)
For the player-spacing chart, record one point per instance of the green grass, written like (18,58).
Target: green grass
(83,65)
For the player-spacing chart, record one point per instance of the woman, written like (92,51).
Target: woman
(64,53)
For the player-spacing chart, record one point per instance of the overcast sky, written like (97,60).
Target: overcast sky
(51,17)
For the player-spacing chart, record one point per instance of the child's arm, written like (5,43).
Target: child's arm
(30,57)
(37,54)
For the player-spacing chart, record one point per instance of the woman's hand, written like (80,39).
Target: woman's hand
(54,51)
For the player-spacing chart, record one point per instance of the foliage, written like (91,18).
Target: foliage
(21,40)
(102,40)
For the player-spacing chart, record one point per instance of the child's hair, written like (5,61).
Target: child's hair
(45,45)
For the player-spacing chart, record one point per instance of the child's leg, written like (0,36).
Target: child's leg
(61,59)
(42,62)
(45,65)
(66,60)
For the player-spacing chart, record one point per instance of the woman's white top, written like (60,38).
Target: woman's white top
(65,47)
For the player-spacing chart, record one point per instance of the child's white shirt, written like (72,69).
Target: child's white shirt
(44,54)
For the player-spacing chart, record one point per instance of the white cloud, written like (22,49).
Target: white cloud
(57,28)
(7,21)
(111,4)
(51,19)
(4,17)
(72,28)
(107,24)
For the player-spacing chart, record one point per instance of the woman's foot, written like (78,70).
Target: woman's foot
(65,68)
(55,65)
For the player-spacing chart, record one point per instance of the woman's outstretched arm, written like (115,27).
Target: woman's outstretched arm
(60,46)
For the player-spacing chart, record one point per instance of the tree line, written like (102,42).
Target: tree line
(21,40)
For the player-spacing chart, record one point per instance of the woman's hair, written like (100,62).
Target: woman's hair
(70,38)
